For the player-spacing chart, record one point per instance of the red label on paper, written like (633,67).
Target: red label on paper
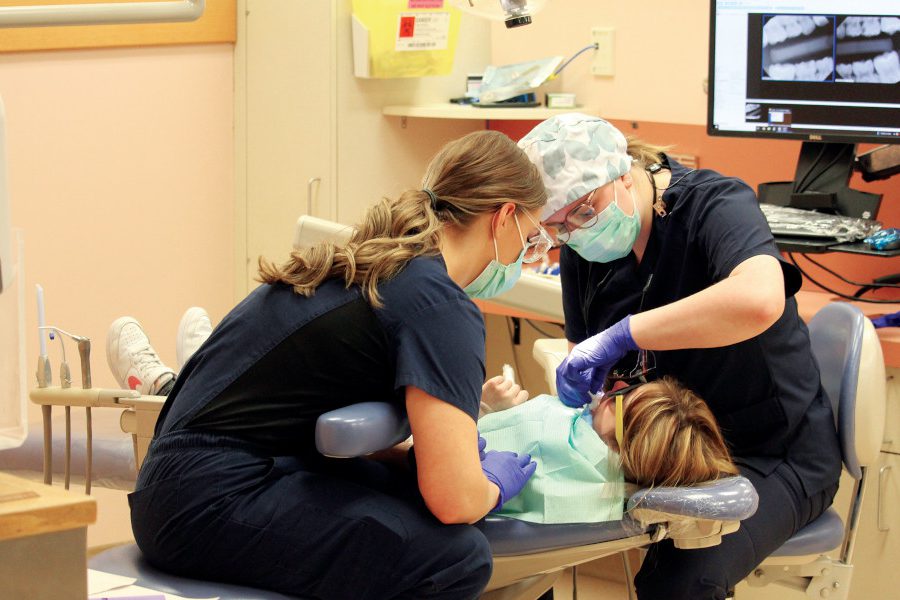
(407,27)
(426,3)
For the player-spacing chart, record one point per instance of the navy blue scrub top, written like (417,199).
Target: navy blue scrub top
(765,392)
(279,360)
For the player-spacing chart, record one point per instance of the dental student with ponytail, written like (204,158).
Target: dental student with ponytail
(232,488)
(660,258)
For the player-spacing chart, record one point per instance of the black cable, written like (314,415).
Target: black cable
(798,183)
(833,162)
(544,333)
(873,284)
(574,56)
(835,292)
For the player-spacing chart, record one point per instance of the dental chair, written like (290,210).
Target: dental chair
(528,558)
(849,354)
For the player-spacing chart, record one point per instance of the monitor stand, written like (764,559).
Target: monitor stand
(821,182)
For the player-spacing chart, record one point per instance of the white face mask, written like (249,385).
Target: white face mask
(613,234)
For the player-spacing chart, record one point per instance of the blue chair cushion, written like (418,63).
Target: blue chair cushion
(128,562)
(511,537)
(822,535)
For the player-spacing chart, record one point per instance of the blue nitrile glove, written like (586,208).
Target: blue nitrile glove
(587,365)
(481,445)
(509,471)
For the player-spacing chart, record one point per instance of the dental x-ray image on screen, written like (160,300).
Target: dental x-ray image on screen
(868,49)
(798,47)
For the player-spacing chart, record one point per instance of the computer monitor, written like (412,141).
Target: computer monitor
(823,71)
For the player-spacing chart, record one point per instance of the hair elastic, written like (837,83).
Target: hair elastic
(434,198)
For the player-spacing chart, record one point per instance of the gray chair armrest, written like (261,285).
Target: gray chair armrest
(728,499)
(696,516)
(360,429)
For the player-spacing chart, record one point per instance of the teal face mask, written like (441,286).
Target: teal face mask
(611,237)
(497,277)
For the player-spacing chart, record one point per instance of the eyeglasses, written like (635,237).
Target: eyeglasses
(581,216)
(537,245)
(634,376)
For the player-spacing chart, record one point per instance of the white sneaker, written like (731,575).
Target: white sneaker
(193,330)
(132,360)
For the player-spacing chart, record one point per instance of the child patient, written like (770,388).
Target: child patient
(667,437)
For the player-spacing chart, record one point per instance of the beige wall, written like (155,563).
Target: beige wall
(376,155)
(121,174)
(661,57)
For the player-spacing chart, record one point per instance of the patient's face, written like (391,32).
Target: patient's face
(604,420)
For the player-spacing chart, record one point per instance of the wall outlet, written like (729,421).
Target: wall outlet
(604,55)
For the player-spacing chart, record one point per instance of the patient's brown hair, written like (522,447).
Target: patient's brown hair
(671,437)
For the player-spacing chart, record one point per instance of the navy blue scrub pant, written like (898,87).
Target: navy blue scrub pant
(211,507)
(709,573)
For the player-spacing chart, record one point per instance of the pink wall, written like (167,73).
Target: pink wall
(121,170)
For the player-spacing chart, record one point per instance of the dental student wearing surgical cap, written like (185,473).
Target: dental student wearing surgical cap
(232,487)
(681,263)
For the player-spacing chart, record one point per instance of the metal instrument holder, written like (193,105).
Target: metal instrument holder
(65,395)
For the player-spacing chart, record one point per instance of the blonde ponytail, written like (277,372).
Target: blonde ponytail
(469,176)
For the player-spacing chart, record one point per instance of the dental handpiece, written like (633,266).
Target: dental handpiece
(84,353)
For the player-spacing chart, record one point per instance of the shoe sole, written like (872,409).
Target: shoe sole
(189,316)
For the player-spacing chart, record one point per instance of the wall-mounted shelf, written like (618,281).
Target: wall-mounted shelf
(459,111)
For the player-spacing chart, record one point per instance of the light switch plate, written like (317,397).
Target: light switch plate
(604,55)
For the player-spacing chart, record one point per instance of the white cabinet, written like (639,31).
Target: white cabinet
(301,115)
(878,545)
(285,123)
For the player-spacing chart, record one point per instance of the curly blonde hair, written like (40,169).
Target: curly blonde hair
(475,174)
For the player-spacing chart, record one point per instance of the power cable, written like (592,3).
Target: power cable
(835,292)
(574,56)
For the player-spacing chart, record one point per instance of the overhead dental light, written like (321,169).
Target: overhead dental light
(514,13)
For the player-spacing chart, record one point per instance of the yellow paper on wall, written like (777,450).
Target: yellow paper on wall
(404,38)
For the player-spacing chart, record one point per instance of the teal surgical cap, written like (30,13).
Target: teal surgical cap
(576,154)
(578,479)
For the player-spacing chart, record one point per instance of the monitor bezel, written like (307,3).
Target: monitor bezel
(842,138)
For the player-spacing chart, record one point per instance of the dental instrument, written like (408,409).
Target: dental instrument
(44,374)
(84,353)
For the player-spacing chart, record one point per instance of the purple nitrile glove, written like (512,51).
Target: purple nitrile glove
(509,471)
(482,443)
(888,320)
(585,368)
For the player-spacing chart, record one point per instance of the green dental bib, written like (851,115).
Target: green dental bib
(578,480)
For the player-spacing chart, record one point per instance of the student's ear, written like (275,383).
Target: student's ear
(504,216)
(627,180)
